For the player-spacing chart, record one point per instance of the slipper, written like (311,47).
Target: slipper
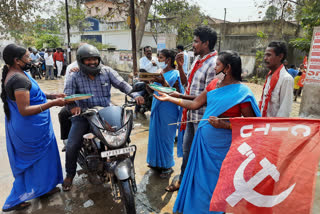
(67,184)
(174,186)
(20,206)
(51,192)
(166,173)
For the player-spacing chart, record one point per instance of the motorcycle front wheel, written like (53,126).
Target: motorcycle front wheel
(127,196)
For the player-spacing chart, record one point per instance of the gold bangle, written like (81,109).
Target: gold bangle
(230,126)
(41,108)
(179,101)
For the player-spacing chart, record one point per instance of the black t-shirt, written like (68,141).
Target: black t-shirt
(17,82)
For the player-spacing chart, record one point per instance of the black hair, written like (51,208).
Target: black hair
(233,59)
(10,53)
(206,33)
(292,66)
(279,48)
(144,49)
(171,54)
(42,49)
(299,73)
(180,47)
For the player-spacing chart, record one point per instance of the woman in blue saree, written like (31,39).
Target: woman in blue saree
(31,143)
(225,97)
(162,136)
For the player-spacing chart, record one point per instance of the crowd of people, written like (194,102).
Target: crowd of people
(206,95)
(52,62)
(299,76)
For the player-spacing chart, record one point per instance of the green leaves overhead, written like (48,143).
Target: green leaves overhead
(308,15)
(184,17)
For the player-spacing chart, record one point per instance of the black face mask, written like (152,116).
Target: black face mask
(221,74)
(26,66)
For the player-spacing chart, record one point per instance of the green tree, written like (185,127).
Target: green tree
(271,13)
(48,41)
(308,15)
(77,16)
(182,16)
(285,8)
(122,7)
(15,17)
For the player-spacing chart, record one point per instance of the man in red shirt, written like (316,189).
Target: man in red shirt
(58,60)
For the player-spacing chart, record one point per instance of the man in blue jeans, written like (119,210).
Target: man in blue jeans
(199,76)
(93,78)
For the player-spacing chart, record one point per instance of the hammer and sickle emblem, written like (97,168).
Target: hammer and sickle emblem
(244,190)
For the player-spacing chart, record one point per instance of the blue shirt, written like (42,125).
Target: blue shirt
(99,87)
(292,72)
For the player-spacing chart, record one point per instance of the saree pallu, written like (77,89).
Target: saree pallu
(209,148)
(161,135)
(32,151)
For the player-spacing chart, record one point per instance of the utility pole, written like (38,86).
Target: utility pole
(224,26)
(133,38)
(68,30)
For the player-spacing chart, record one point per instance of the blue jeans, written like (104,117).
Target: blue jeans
(191,129)
(79,127)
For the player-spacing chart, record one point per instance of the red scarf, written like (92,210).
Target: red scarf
(273,83)
(196,67)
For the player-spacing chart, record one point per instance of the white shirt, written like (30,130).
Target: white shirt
(281,97)
(68,73)
(186,62)
(146,64)
(48,59)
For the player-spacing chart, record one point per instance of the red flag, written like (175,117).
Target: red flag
(270,168)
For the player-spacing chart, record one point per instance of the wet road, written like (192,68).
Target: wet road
(97,199)
(88,198)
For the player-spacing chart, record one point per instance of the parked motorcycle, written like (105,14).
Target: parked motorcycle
(35,69)
(106,154)
(147,94)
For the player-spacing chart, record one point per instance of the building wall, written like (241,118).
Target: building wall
(242,37)
(121,39)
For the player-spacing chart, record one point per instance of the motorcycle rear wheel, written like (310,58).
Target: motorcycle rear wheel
(127,196)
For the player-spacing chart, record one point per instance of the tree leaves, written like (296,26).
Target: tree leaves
(15,16)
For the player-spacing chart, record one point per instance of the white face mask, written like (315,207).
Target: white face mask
(162,65)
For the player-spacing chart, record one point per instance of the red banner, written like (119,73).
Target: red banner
(271,167)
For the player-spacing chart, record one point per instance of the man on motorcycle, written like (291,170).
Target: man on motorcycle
(95,79)
(35,57)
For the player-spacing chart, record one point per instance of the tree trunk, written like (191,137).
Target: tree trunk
(142,11)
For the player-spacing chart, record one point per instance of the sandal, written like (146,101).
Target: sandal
(51,192)
(174,186)
(20,206)
(67,184)
(165,173)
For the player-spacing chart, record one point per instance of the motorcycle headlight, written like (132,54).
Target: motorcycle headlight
(118,138)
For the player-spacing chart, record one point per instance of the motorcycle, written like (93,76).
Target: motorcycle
(35,69)
(106,155)
(147,94)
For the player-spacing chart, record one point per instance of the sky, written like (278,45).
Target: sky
(243,10)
